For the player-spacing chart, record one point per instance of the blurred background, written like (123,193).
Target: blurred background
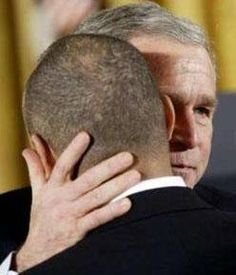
(27,27)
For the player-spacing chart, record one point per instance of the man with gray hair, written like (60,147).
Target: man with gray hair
(181,59)
(183,63)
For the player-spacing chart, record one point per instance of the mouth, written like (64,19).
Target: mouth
(182,168)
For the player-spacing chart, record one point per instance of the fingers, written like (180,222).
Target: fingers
(35,168)
(103,172)
(106,192)
(69,158)
(103,215)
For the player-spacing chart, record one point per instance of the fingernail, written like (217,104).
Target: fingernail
(135,175)
(25,153)
(127,156)
(35,140)
(125,204)
(84,135)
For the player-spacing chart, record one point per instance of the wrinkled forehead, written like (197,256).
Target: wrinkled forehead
(166,53)
(184,72)
(186,79)
(165,64)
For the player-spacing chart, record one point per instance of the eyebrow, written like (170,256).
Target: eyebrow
(205,100)
(210,101)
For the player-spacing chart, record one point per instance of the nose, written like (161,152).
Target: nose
(184,136)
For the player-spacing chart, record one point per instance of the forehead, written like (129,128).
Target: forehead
(184,72)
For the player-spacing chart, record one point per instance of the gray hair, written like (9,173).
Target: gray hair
(148,18)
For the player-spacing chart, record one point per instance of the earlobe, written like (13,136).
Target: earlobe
(170,115)
(45,153)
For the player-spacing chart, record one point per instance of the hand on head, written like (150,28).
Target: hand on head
(64,210)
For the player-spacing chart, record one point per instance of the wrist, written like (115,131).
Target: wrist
(21,261)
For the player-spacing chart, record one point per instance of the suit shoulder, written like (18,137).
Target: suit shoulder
(16,202)
(220,199)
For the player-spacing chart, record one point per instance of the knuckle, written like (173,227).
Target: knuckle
(97,195)
(94,221)
(133,176)
(109,165)
(137,174)
(72,192)
(87,180)
(63,212)
(111,211)
(60,169)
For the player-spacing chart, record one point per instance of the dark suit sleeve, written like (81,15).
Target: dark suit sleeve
(15,213)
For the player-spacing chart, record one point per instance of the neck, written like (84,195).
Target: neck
(154,168)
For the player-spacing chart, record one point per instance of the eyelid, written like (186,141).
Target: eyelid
(209,105)
(204,109)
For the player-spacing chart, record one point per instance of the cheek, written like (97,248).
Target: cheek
(205,140)
(205,143)
(205,130)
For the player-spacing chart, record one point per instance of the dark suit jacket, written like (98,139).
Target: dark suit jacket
(15,209)
(15,212)
(168,231)
(218,197)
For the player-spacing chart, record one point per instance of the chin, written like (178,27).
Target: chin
(189,177)
(190,181)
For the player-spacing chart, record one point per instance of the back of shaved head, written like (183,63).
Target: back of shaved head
(101,85)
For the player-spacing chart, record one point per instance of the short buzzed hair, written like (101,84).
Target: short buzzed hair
(134,20)
(101,85)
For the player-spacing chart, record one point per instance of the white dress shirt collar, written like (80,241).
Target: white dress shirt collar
(150,184)
(5,266)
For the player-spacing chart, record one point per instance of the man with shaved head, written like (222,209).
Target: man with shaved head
(102,85)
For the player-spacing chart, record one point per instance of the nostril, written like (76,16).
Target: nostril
(183,139)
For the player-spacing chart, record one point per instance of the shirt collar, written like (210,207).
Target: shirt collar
(150,184)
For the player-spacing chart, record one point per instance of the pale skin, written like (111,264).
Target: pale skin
(185,74)
(64,210)
(187,77)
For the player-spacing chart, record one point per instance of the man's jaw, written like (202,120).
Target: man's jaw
(187,172)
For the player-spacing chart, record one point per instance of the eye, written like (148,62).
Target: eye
(203,111)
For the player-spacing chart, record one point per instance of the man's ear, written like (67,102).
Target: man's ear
(45,153)
(170,115)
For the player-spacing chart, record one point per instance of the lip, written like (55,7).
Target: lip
(182,167)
